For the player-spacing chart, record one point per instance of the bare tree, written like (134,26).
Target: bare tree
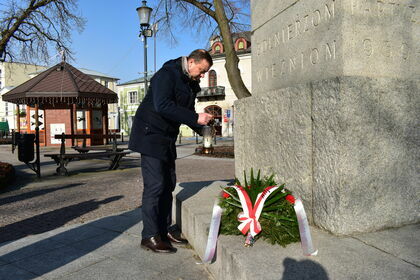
(219,17)
(29,28)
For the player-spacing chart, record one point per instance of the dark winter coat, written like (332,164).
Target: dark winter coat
(168,103)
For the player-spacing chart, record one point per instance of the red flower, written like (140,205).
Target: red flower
(225,194)
(290,198)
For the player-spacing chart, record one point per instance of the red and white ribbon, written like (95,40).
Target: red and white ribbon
(249,217)
(305,233)
(213,232)
(249,222)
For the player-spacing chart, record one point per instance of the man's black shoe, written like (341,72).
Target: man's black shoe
(176,238)
(157,245)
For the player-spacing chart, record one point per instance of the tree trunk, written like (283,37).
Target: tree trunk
(232,60)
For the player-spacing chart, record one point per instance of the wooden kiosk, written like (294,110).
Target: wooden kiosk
(60,100)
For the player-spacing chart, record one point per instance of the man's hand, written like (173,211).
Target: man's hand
(204,118)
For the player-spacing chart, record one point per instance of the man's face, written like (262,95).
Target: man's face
(198,69)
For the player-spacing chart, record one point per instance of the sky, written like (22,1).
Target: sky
(110,43)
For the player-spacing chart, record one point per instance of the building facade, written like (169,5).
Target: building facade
(216,96)
(13,74)
(130,94)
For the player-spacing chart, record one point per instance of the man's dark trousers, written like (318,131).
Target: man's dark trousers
(159,182)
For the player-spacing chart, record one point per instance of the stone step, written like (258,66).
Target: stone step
(361,257)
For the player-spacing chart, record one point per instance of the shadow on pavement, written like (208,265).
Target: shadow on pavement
(300,270)
(51,253)
(50,220)
(25,176)
(191,188)
(15,198)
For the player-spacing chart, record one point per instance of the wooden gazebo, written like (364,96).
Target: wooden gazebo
(62,99)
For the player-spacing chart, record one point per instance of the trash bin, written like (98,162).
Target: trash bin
(26,151)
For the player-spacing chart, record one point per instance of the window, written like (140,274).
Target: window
(240,44)
(217,47)
(212,78)
(6,108)
(106,83)
(133,97)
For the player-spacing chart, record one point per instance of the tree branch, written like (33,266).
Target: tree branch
(201,6)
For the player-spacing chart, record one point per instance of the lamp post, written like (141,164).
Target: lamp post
(144,13)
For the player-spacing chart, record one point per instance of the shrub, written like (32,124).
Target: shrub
(7,174)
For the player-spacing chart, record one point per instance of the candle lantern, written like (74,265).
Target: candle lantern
(207,140)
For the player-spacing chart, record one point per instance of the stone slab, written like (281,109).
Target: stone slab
(393,240)
(143,259)
(115,223)
(301,41)
(365,153)
(59,262)
(273,133)
(75,234)
(347,146)
(192,210)
(12,272)
(120,270)
(107,244)
(26,247)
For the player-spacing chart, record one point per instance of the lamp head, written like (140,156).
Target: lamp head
(144,13)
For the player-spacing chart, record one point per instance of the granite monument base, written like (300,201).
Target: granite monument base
(348,146)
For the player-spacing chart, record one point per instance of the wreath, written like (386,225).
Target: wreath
(263,208)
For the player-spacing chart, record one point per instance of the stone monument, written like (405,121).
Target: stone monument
(335,108)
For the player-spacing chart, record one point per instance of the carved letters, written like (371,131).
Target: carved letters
(298,28)
(308,42)
(382,8)
(311,57)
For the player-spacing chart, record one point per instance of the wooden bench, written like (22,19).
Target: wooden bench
(113,147)
(107,148)
(63,158)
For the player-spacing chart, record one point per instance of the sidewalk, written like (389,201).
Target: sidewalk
(107,248)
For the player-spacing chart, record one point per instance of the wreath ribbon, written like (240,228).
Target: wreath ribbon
(249,222)
(249,217)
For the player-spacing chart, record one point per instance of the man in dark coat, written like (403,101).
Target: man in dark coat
(168,103)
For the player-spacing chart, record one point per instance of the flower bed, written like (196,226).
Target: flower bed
(7,174)
(218,152)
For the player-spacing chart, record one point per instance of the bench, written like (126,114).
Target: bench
(86,149)
(97,148)
(63,158)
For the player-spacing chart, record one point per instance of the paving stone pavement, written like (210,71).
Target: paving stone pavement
(87,225)
(32,206)
(106,248)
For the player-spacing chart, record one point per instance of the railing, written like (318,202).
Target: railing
(212,91)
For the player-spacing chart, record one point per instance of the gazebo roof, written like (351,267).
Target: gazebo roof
(61,83)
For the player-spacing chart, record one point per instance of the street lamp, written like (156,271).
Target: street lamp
(144,13)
